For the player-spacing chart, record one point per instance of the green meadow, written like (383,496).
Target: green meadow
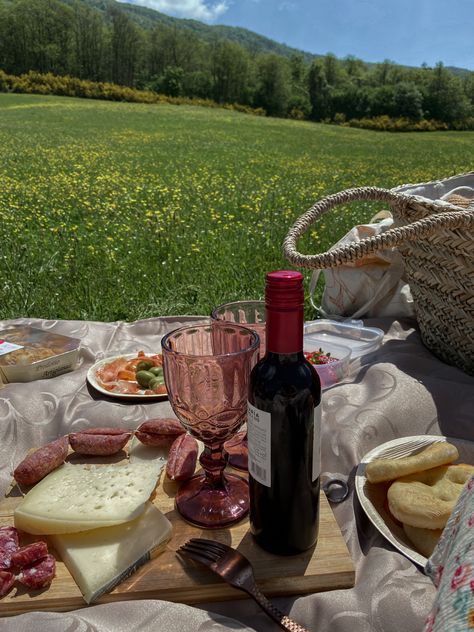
(125,211)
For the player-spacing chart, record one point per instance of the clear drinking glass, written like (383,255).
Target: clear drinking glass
(207,369)
(252,315)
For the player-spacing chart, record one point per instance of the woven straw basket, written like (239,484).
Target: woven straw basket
(436,241)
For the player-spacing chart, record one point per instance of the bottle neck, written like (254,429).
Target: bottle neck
(284,330)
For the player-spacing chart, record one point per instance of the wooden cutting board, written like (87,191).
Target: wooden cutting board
(328,566)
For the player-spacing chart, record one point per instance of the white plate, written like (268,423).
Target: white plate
(372,496)
(91,378)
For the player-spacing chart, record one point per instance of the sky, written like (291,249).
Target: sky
(409,32)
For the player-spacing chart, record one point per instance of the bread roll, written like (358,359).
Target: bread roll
(426,499)
(436,454)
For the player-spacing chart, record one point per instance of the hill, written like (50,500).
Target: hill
(149,18)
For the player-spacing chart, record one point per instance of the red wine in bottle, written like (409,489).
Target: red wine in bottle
(283,425)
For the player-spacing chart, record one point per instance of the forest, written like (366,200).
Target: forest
(106,44)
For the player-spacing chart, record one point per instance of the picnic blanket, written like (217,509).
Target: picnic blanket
(399,390)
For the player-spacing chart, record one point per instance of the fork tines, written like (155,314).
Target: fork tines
(210,550)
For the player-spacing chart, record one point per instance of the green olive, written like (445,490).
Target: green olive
(156,381)
(144,365)
(144,378)
(157,370)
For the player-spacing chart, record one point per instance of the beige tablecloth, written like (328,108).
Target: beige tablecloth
(399,390)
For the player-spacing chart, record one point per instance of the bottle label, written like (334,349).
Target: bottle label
(259,434)
(317,443)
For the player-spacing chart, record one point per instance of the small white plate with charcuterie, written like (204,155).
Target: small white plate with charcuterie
(129,376)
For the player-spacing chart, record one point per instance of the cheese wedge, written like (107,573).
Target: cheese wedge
(82,497)
(153,457)
(100,559)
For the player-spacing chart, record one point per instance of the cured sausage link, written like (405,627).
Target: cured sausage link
(99,441)
(182,458)
(160,432)
(41,462)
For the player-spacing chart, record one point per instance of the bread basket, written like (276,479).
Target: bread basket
(436,241)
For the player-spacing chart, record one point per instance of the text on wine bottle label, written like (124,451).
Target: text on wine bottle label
(259,431)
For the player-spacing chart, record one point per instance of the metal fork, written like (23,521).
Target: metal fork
(399,451)
(237,571)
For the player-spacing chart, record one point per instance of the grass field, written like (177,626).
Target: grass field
(122,211)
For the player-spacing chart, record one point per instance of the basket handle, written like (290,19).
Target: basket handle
(452,217)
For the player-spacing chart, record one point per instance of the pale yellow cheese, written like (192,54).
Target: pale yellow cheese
(82,497)
(100,559)
(152,456)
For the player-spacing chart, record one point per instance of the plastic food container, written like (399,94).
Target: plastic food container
(334,371)
(344,341)
(352,334)
(28,354)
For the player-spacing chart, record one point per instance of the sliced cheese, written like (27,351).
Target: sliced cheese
(82,497)
(153,457)
(100,559)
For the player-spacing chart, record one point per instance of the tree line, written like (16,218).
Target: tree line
(72,38)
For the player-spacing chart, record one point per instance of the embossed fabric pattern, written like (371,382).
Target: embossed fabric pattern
(399,390)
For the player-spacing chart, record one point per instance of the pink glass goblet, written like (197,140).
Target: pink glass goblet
(207,369)
(251,314)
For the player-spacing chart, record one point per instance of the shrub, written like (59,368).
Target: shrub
(34,82)
(386,124)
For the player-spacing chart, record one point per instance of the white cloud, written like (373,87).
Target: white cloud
(287,5)
(196,9)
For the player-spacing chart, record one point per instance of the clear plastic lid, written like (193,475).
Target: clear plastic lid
(352,334)
(24,345)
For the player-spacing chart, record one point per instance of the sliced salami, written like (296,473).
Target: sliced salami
(40,574)
(8,546)
(6,582)
(29,554)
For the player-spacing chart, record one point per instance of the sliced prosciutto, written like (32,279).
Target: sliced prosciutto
(121,386)
(109,372)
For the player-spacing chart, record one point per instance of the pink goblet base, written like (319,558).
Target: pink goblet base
(205,506)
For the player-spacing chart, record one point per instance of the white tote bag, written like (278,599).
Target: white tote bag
(370,287)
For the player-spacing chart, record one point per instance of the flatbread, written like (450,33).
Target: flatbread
(434,455)
(426,499)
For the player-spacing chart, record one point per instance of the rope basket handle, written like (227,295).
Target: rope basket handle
(452,217)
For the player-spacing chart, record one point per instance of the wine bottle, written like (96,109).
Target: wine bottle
(284,420)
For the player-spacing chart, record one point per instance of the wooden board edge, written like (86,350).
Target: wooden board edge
(212,593)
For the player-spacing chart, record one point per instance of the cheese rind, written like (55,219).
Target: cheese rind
(83,497)
(100,559)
